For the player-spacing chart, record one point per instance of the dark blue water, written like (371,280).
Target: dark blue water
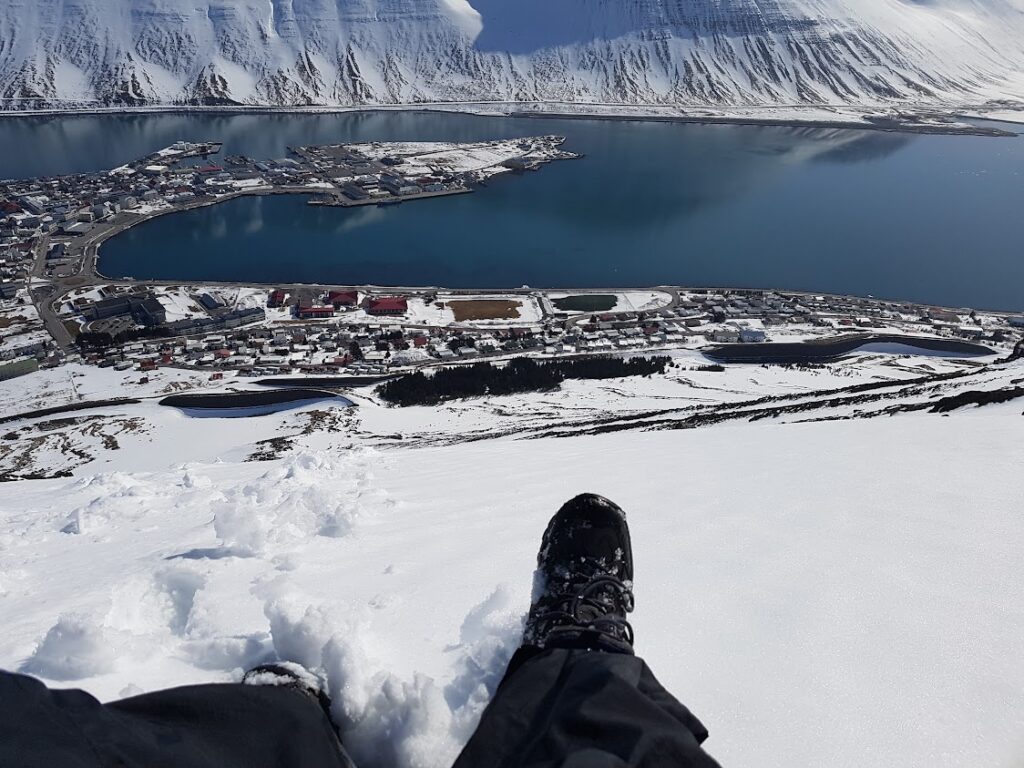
(929,218)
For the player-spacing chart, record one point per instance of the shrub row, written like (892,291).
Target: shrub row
(519,375)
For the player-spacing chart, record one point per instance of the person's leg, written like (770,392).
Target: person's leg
(201,726)
(577,708)
(575,695)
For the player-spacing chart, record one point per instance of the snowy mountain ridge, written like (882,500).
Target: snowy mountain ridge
(389,52)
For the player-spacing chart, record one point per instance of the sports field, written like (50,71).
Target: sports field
(485,309)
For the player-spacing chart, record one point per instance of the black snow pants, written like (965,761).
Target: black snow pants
(559,707)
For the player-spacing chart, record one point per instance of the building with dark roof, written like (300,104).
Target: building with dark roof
(145,310)
(112,307)
(149,311)
(314,312)
(210,303)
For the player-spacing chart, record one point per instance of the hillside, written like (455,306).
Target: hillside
(823,545)
(937,53)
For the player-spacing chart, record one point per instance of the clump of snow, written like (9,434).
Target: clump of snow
(290,503)
(141,604)
(217,654)
(489,636)
(107,504)
(273,677)
(387,721)
(74,648)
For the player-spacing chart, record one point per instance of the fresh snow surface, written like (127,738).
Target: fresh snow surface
(821,592)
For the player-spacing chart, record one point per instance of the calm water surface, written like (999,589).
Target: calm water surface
(930,218)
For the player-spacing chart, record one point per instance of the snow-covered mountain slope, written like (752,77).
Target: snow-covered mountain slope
(857,577)
(353,52)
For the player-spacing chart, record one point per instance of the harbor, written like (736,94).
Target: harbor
(260,228)
(67,218)
(692,205)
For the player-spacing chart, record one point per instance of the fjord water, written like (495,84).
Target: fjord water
(929,218)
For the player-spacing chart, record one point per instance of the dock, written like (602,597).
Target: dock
(339,200)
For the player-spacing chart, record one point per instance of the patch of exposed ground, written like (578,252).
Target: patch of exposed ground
(327,420)
(489,309)
(180,386)
(56,447)
(331,420)
(268,450)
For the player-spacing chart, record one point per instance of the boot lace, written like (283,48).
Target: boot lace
(598,604)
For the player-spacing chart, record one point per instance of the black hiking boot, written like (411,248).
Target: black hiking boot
(583,585)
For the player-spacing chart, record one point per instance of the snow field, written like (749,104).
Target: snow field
(596,57)
(422,157)
(74,382)
(182,612)
(830,593)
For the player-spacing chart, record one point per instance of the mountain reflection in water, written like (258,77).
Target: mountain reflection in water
(930,218)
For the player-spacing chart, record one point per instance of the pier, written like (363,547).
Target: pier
(338,200)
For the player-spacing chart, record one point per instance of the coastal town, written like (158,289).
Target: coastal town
(259,331)
(56,307)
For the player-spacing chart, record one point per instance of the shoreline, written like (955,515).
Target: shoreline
(888,125)
(921,119)
(524,290)
(92,270)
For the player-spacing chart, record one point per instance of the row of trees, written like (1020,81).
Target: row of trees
(519,375)
(91,340)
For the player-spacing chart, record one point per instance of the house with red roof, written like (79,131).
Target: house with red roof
(387,305)
(339,299)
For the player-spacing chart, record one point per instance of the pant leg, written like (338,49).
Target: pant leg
(201,726)
(576,708)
